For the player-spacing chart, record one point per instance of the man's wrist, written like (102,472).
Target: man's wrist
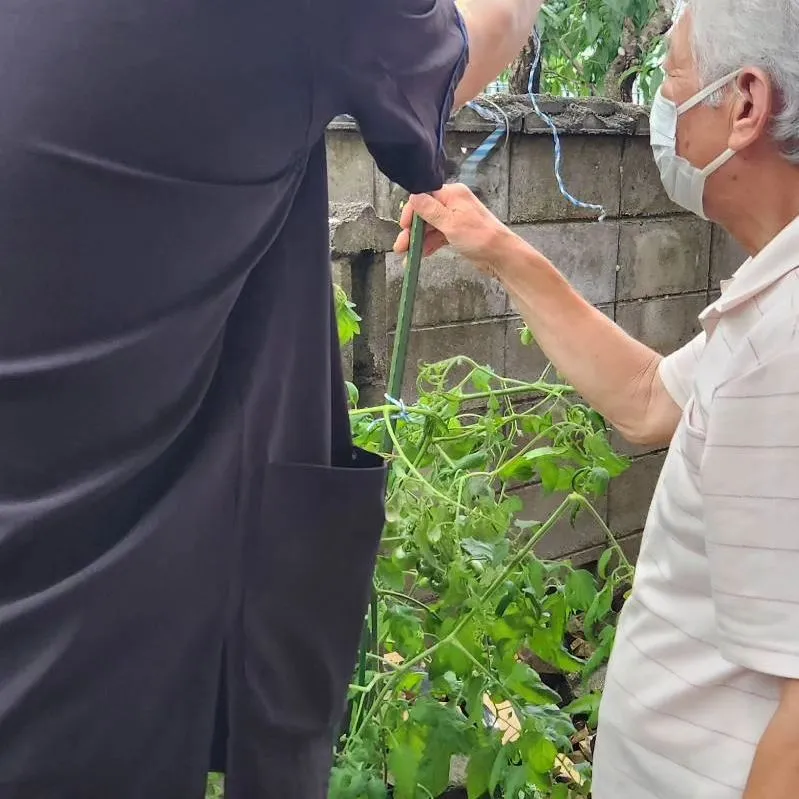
(514,259)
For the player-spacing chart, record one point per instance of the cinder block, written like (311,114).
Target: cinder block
(450,290)
(585,253)
(726,255)
(665,256)
(350,168)
(591,169)
(665,324)
(482,341)
(528,362)
(522,362)
(563,539)
(642,191)
(630,494)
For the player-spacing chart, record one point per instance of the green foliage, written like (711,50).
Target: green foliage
(464,609)
(216,787)
(584,39)
(349,323)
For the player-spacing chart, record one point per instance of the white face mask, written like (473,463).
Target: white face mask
(684,183)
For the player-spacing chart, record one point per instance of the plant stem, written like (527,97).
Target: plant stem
(374,627)
(405,598)
(616,546)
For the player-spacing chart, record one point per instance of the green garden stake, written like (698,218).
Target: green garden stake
(410,280)
(396,377)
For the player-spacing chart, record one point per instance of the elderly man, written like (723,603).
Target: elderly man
(702,692)
(170,381)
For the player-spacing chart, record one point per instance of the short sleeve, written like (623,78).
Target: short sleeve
(678,370)
(750,486)
(399,81)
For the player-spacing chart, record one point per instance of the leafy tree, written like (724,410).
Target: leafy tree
(597,48)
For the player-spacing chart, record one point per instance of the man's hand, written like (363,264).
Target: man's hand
(775,772)
(455,216)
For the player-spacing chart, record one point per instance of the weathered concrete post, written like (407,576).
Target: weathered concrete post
(359,241)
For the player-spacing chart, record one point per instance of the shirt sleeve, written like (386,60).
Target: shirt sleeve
(677,371)
(399,80)
(750,485)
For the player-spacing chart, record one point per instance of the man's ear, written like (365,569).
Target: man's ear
(751,109)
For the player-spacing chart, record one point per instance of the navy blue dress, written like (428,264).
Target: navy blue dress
(186,533)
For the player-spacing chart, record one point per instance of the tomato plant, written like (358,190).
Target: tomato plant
(479,652)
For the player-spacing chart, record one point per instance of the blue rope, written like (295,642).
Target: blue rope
(468,171)
(555,137)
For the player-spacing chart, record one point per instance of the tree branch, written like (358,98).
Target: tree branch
(619,80)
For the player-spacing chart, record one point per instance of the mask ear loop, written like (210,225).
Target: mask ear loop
(724,157)
(718,163)
(711,88)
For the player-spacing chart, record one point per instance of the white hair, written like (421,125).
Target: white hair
(730,34)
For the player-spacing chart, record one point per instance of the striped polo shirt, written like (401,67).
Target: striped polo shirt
(712,623)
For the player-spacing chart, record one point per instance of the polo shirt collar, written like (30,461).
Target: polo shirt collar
(779,257)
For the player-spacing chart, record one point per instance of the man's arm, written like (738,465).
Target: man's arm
(616,374)
(775,772)
(401,67)
(497,29)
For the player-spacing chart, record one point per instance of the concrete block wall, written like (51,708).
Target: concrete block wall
(648,265)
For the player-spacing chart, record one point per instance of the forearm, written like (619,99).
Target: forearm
(775,771)
(498,29)
(615,373)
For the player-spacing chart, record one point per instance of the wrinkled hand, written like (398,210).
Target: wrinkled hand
(456,217)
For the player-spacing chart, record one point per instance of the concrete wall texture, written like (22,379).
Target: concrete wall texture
(649,266)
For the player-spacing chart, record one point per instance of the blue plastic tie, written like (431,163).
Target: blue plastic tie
(403,414)
(403,411)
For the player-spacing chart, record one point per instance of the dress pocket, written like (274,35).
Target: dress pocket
(308,576)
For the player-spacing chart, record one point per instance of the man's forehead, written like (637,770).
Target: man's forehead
(677,39)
